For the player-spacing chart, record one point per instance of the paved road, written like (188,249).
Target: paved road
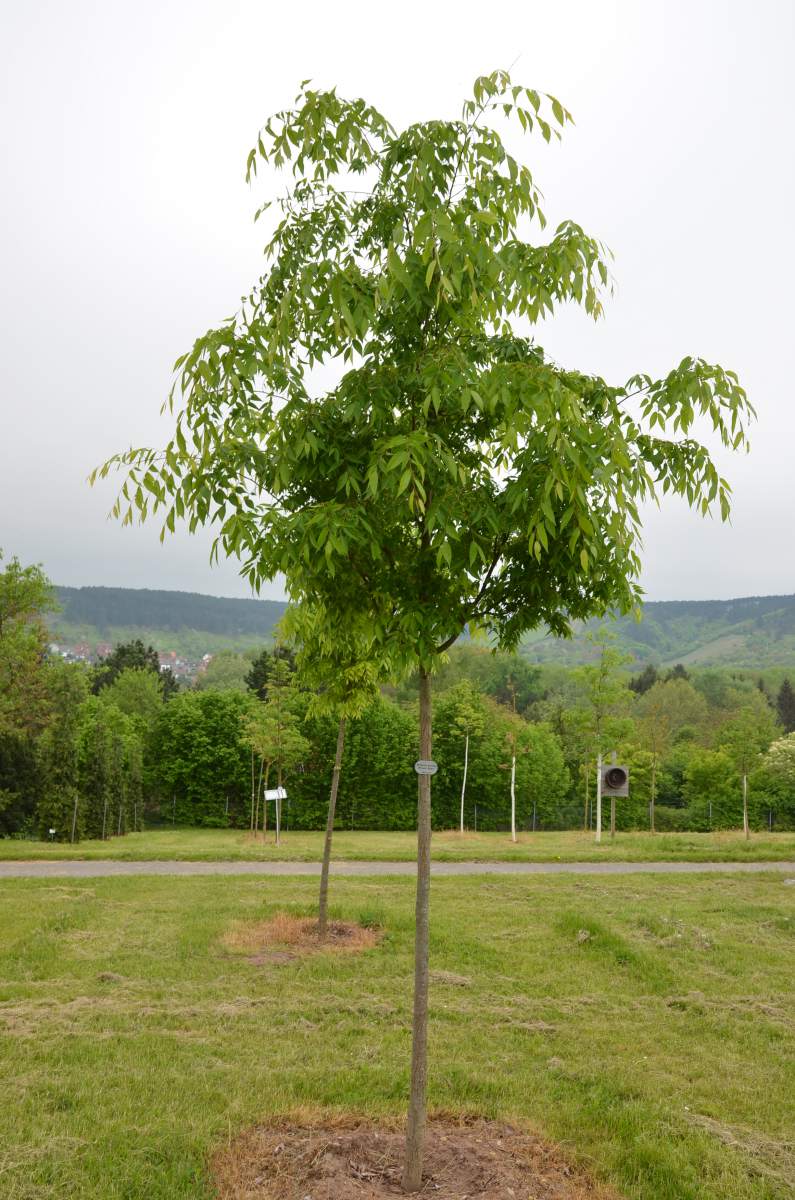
(80,869)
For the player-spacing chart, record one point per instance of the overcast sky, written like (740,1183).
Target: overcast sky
(126,229)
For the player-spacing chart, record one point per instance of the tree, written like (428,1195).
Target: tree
(785,705)
(110,753)
(663,710)
(454,476)
(745,738)
(20,783)
(710,790)
(647,679)
(780,760)
(198,762)
(225,672)
(290,746)
(129,655)
(603,718)
(25,596)
(274,732)
(345,683)
(464,715)
(259,733)
(59,802)
(138,693)
(514,732)
(262,666)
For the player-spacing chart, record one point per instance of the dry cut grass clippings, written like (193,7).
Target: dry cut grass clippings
(770,1159)
(284,937)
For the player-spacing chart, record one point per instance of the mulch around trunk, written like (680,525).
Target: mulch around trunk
(348,1159)
(285,937)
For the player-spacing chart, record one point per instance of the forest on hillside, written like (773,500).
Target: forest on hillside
(105,608)
(751,633)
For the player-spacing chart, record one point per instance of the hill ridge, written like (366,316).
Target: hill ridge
(744,632)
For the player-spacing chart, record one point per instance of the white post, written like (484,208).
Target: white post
(599,797)
(513,797)
(464,784)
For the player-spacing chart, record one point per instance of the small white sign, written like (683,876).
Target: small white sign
(276,793)
(426,766)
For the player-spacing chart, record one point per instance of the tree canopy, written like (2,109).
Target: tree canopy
(455,474)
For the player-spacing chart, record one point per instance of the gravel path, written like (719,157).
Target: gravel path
(91,869)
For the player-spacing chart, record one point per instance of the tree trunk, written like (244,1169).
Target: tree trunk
(746,829)
(322,910)
(265,804)
(612,817)
(415,1129)
(586,818)
(253,826)
(653,793)
(513,796)
(464,783)
(599,797)
(104,818)
(74,816)
(278,806)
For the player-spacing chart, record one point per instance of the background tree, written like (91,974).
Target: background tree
(463,715)
(25,596)
(344,682)
(780,760)
(603,716)
(514,731)
(129,655)
(58,747)
(645,680)
(663,710)
(200,767)
(710,790)
(225,672)
(138,693)
(259,733)
(745,738)
(785,704)
(285,746)
(454,476)
(262,667)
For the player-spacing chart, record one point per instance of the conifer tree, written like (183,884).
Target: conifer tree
(785,706)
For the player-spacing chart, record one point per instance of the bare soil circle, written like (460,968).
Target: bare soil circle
(349,1159)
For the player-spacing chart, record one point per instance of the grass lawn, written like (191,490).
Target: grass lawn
(645,1022)
(571,846)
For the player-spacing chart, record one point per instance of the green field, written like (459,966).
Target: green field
(644,1022)
(207,845)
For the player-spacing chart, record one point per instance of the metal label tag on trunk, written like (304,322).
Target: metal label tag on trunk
(426,766)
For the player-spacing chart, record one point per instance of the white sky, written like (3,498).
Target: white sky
(126,229)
